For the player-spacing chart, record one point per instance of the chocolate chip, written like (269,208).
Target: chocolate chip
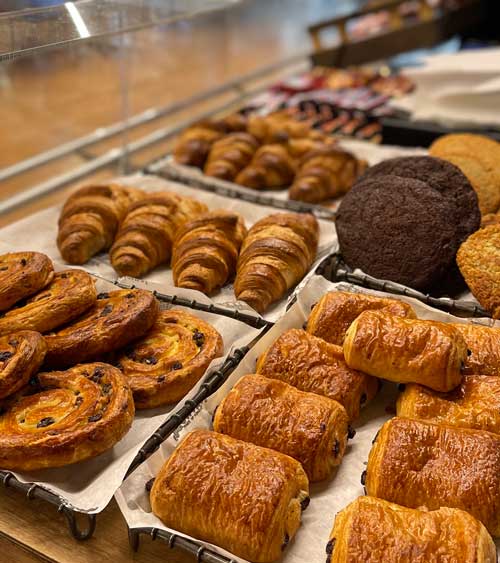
(106,311)
(23,262)
(103,295)
(97,375)
(305,503)
(22,421)
(336,448)
(322,427)
(47,421)
(351,432)
(199,338)
(330,546)
(64,276)
(469,352)
(4,356)
(79,401)
(160,379)
(149,485)
(106,388)
(151,361)
(363,399)
(363,478)
(95,417)
(286,539)
(177,365)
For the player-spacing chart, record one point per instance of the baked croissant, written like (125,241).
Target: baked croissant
(325,173)
(483,344)
(335,311)
(229,155)
(271,168)
(276,127)
(374,530)
(406,350)
(206,250)
(422,465)
(243,498)
(146,236)
(193,146)
(90,219)
(274,257)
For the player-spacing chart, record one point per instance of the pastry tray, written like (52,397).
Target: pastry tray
(327,498)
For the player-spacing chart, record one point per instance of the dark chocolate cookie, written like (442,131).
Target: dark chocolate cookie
(442,176)
(397,229)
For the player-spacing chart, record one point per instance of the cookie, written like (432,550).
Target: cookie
(397,229)
(479,261)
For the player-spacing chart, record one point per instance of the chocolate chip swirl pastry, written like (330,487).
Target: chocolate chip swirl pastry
(21,355)
(22,274)
(117,318)
(64,417)
(167,362)
(69,295)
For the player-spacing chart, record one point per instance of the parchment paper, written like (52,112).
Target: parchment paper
(327,498)
(89,485)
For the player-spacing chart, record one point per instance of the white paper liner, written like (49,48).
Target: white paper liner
(327,498)
(39,231)
(89,485)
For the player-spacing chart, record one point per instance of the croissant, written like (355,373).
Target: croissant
(206,250)
(274,257)
(371,529)
(90,218)
(243,498)
(229,155)
(146,236)
(298,148)
(422,465)
(276,127)
(194,144)
(271,167)
(483,344)
(325,173)
(406,350)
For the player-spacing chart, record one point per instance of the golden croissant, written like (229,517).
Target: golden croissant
(229,155)
(272,167)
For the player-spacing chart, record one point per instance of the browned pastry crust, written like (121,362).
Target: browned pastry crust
(69,295)
(483,344)
(335,311)
(313,365)
(490,219)
(90,218)
(118,318)
(271,168)
(206,251)
(146,236)
(243,498)
(423,465)
(371,529)
(276,128)
(325,173)
(68,416)
(194,144)
(270,413)
(164,365)
(22,274)
(21,355)
(274,257)
(475,403)
(229,155)
(406,350)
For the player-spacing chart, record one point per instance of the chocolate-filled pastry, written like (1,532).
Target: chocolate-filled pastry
(335,311)
(483,344)
(243,498)
(270,413)
(313,365)
(21,275)
(65,417)
(68,295)
(475,403)
(371,529)
(274,257)
(229,155)
(118,317)
(206,250)
(423,465)
(164,365)
(21,355)
(406,350)
(272,167)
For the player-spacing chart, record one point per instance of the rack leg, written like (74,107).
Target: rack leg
(79,533)
(133,539)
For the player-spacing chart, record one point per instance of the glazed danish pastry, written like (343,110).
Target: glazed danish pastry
(69,295)
(269,413)
(243,498)
(475,403)
(21,355)
(371,529)
(167,362)
(311,364)
(484,349)
(65,417)
(117,318)
(422,465)
(335,311)
(406,350)
(21,275)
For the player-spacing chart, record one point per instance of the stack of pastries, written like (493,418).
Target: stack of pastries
(74,364)
(270,153)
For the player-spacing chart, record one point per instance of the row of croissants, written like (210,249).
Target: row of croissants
(206,249)
(269,153)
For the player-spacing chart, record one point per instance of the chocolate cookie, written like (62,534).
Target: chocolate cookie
(397,229)
(445,178)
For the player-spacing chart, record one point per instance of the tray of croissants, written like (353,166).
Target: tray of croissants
(362,427)
(89,371)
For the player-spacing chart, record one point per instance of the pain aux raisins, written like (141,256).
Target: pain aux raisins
(199,338)
(4,356)
(47,421)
